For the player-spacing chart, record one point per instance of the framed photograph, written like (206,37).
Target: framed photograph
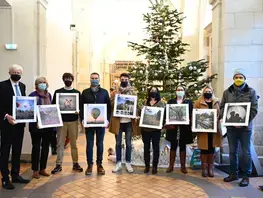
(49,116)
(95,115)
(125,106)
(152,117)
(68,102)
(24,109)
(236,114)
(204,120)
(177,114)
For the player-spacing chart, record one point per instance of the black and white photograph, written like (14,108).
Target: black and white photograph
(177,114)
(236,114)
(204,120)
(49,116)
(68,102)
(152,117)
(95,115)
(24,109)
(125,106)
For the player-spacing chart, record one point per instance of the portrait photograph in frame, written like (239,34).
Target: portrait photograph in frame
(125,106)
(177,114)
(68,102)
(152,117)
(24,109)
(236,114)
(204,120)
(49,116)
(95,115)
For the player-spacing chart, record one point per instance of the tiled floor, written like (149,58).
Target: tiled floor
(72,184)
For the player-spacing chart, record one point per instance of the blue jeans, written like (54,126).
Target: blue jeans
(100,132)
(127,128)
(234,136)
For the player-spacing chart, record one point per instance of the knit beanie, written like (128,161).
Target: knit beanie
(239,72)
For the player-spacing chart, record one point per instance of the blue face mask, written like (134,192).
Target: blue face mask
(42,86)
(94,82)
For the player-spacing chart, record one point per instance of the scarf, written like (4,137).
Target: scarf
(129,90)
(239,90)
(43,97)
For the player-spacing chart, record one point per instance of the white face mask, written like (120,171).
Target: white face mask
(180,94)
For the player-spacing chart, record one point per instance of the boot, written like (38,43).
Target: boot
(204,164)
(172,160)
(211,165)
(147,168)
(182,160)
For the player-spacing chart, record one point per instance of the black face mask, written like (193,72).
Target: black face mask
(124,84)
(208,95)
(152,94)
(15,77)
(68,83)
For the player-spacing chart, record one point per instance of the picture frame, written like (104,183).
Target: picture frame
(49,116)
(68,102)
(204,120)
(152,117)
(177,114)
(125,106)
(236,114)
(95,115)
(24,109)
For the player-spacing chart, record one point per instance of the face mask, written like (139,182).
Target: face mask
(124,84)
(180,94)
(68,83)
(208,95)
(95,82)
(239,82)
(42,86)
(15,77)
(152,94)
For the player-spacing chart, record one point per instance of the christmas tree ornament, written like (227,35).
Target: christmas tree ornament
(190,68)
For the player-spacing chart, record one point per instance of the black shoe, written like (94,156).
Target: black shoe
(57,169)
(20,180)
(146,169)
(231,178)
(77,167)
(244,182)
(8,185)
(154,170)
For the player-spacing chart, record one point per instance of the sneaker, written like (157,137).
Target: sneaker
(244,182)
(57,169)
(89,169)
(77,167)
(129,167)
(117,168)
(100,170)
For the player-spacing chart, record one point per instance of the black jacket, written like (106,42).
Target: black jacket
(100,97)
(6,104)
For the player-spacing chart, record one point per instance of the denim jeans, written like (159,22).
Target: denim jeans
(100,132)
(127,128)
(236,136)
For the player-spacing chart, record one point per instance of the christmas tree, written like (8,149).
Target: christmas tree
(162,53)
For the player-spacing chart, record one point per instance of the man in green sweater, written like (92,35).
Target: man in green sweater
(69,128)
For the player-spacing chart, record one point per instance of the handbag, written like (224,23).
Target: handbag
(195,161)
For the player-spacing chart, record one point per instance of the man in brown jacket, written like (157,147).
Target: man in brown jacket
(119,125)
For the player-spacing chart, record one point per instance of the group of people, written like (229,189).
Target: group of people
(178,135)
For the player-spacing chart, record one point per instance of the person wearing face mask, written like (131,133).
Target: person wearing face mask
(119,125)
(40,137)
(12,134)
(69,128)
(152,135)
(95,94)
(238,92)
(179,135)
(208,141)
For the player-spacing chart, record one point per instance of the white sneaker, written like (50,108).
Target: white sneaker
(117,168)
(129,167)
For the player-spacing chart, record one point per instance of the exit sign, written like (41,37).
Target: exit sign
(11,46)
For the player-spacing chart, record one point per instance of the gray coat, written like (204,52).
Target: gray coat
(247,94)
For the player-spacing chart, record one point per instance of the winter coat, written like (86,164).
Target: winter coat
(202,137)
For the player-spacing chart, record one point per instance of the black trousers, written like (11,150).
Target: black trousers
(211,149)
(53,140)
(40,149)
(174,145)
(147,138)
(11,137)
